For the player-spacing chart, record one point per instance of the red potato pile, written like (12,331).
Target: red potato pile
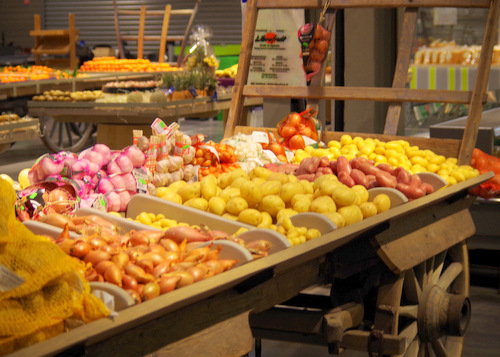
(361,171)
(146,263)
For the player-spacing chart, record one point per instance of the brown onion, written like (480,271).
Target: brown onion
(146,264)
(169,245)
(111,248)
(186,278)
(113,275)
(121,259)
(134,295)
(102,266)
(197,273)
(156,258)
(138,273)
(182,266)
(80,249)
(150,291)
(156,248)
(168,283)
(160,269)
(97,242)
(129,282)
(94,257)
(197,255)
(66,244)
(171,256)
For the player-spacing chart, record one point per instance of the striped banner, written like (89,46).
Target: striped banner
(450,78)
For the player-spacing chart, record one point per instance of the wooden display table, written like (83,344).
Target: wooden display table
(115,121)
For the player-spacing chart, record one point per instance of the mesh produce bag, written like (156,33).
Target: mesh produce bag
(41,288)
(485,163)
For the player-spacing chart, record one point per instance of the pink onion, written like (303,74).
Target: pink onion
(130,182)
(114,203)
(117,181)
(135,155)
(104,150)
(124,163)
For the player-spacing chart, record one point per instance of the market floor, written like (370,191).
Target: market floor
(483,336)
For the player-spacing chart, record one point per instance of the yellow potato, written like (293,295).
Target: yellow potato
(230,216)
(250,216)
(362,193)
(172,197)
(192,190)
(289,190)
(217,205)
(233,175)
(258,180)
(326,187)
(328,179)
(336,218)
(323,204)
(260,172)
(198,203)
(238,181)
(228,193)
(312,233)
(272,187)
(280,176)
(174,186)
(382,202)
(208,187)
(307,185)
(368,209)
(162,191)
(344,196)
(271,204)
(235,205)
(267,220)
(251,192)
(224,180)
(285,213)
(301,202)
(351,214)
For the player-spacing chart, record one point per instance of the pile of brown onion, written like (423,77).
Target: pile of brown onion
(144,262)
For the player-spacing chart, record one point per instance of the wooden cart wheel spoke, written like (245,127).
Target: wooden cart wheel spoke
(432,309)
(413,290)
(68,133)
(449,275)
(429,273)
(409,311)
(60,136)
(438,348)
(438,267)
(410,332)
(413,348)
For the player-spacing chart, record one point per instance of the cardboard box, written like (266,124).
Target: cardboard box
(104,52)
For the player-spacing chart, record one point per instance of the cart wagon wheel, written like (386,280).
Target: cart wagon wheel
(64,136)
(429,305)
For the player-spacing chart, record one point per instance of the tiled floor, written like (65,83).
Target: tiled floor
(483,337)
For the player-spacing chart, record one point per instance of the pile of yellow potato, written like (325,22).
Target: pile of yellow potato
(264,198)
(395,153)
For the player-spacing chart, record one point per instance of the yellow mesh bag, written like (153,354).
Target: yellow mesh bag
(54,289)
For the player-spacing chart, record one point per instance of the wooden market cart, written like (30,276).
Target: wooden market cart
(400,279)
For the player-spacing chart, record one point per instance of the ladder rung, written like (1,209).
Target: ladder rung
(359,93)
(156,12)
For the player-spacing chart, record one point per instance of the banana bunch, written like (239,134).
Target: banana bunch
(211,61)
(228,72)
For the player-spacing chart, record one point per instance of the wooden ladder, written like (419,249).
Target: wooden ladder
(397,94)
(142,13)
(55,42)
